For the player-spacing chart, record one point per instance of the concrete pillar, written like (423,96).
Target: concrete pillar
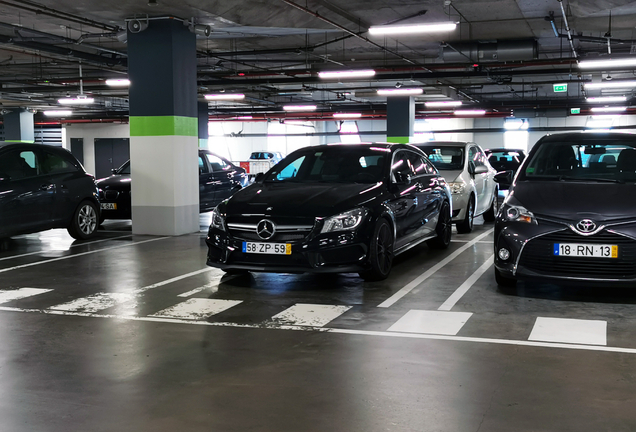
(163,129)
(400,118)
(204,133)
(18,126)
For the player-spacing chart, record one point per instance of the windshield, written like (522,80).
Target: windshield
(445,157)
(603,160)
(332,164)
(124,169)
(504,160)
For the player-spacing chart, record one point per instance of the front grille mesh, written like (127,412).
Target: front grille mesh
(538,256)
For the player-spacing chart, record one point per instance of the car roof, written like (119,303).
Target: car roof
(442,144)
(589,136)
(502,149)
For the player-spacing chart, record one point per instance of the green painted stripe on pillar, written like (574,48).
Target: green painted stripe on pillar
(163,125)
(398,140)
(21,141)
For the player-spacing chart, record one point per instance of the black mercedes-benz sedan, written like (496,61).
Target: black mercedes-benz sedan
(333,208)
(571,212)
(218,179)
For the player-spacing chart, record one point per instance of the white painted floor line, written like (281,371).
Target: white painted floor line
(72,246)
(577,331)
(197,308)
(191,292)
(312,315)
(212,286)
(174,279)
(463,288)
(94,303)
(466,241)
(78,255)
(17,294)
(431,322)
(430,272)
(337,331)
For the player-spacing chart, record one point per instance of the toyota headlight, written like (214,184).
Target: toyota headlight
(517,213)
(218,220)
(347,221)
(457,188)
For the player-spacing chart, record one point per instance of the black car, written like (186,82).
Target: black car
(44,187)
(505,159)
(218,179)
(336,208)
(571,212)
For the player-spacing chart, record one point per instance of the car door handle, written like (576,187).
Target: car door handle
(46,187)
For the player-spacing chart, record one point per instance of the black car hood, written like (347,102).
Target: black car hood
(115,182)
(302,199)
(574,200)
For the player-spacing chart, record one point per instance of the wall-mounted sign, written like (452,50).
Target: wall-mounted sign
(560,88)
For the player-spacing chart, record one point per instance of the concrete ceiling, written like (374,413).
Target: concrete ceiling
(271,50)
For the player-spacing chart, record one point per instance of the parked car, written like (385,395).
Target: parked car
(345,208)
(44,187)
(503,159)
(471,178)
(218,180)
(570,214)
(274,157)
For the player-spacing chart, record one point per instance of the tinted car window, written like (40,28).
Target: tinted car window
(446,157)
(216,162)
(124,169)
(53,163)
(203,167)
(19,164)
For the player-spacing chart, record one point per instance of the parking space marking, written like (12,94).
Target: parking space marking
(212,286)
(17,294)
(72,246)
(197,308)
(94,303)
(463,288)
(174,279)
(430,272)
(575,331)
(310,315)
(431,322)
(78,255)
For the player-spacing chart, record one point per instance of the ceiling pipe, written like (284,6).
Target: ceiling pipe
(567,28)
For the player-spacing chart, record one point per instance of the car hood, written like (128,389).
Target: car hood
(302,199)
(116,182)
(450,175)
(573,200)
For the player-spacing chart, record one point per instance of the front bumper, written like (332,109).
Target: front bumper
(323,253)
(460,206)
(532,257)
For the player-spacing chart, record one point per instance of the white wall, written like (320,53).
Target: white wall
(90,131)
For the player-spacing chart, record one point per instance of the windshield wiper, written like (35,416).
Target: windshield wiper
(596,179)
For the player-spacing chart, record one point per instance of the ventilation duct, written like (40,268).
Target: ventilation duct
(492,51)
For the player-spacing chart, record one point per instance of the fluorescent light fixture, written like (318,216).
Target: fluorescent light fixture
(400,91)
(347,74)
(599,64)
(244,117)
(118,82)
(469,112)
(347,115)
(225,96)
(80,100)
(443,104)
(609,109)
(57,113)
(412,29)
(606,99)
(609,84)
(300,107)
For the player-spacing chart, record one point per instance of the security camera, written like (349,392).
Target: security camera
(201,30)
(137,26)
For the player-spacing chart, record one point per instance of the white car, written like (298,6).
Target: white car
(471,178)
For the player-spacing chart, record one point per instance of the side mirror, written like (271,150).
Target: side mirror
(481,169)
(259,177)
(402,178)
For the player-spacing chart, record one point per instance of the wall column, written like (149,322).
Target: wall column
(19,127)
(162,69)
(204,133)
(400,118)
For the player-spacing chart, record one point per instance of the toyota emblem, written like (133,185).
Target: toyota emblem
(266,229)
(586,226)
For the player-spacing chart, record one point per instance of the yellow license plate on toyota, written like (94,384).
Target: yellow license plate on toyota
(267,248)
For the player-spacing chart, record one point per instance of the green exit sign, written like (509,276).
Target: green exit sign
(560,88)
(575,110)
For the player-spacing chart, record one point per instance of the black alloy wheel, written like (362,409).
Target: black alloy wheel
(380,253)
(504,281)
(444,229)
(85,221)
(491,213)
(466,226)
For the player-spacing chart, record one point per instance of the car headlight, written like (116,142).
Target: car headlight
(517,213)
(218,220)
(457,188)
(346,221)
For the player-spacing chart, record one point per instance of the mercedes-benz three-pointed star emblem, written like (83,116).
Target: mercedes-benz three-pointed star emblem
(266,229)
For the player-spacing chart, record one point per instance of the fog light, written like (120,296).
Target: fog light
(504,254)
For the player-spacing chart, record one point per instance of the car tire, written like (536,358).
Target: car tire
(466,226)
(491,213)
(380,252)
(444,229)
(85,221)
(504,281)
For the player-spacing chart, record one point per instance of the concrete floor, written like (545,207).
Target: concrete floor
(134,333)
